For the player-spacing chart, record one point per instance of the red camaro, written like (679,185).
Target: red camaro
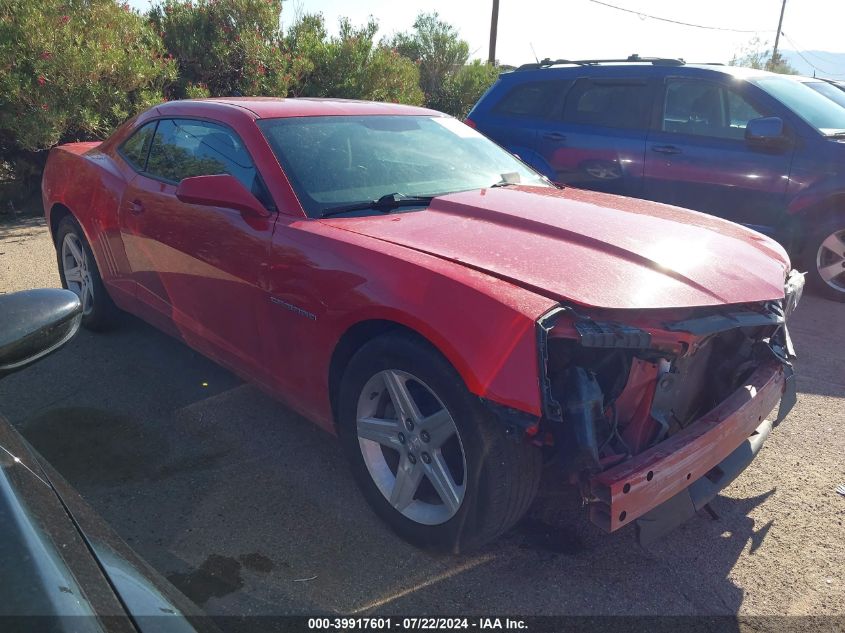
(457,320)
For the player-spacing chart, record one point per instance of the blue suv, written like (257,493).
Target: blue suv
(754,147)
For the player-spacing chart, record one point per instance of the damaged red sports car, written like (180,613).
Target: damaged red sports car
(452,316)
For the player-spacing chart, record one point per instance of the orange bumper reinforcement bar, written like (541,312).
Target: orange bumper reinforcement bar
(627,491)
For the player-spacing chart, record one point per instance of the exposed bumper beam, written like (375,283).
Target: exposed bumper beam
(631,489)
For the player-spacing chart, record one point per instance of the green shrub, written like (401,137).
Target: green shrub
(461,89)
(349,66)
(449,84)
(391,77)
(75,69)
(757,54)
(72,70)
(224,47)
(436,47)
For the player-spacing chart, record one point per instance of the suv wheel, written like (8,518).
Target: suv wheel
(826,260)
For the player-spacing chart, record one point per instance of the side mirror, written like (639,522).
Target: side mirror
(222,190)
(35,323)
(767,131)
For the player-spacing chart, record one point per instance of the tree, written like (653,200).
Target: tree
(72,70)
(224,47)
(436,47)
(758,55)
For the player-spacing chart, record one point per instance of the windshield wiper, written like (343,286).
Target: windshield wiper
(385,204)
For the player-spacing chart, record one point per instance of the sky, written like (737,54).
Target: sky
(585,29)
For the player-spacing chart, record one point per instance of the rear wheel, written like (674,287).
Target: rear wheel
(79,274)
(428,456)
(825,257)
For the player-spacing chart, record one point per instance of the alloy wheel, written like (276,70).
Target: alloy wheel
(411,447)
(830,260)
(76,271)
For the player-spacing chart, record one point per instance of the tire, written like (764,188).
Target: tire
(494,477)
(824,255)
(73,254)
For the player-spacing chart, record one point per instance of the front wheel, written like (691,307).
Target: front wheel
(430,459)
(826,259)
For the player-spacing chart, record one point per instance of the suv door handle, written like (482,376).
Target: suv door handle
(136,207)
(554,136)
(666,149)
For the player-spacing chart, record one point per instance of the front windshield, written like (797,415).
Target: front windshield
(817,110)
(831,92)
(338,160)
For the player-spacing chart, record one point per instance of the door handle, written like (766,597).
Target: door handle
(554,136)
(666,149)
(136,207)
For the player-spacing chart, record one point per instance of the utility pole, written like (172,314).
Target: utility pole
(774,58)
(494,25)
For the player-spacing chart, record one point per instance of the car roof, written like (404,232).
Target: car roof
(632,70)
(276,107)
(808,80)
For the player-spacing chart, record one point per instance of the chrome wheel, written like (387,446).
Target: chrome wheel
(830,260)
(76,271)
(411,447)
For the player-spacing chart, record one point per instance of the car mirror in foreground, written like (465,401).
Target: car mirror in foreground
(222,190)
(35,323)
(766,131)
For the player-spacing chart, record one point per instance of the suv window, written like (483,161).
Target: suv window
(531,99)
(609,103)
(704,108)
(182,148)
(135,148)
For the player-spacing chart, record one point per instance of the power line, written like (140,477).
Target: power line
(697,26)
(803,49)
(809,63)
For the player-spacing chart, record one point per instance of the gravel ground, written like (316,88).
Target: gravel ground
(249,509)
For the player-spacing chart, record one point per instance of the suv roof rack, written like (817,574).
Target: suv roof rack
(632,59)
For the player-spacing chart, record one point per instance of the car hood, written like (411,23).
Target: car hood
(589,248)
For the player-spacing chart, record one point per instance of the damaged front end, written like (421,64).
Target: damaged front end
(652,420)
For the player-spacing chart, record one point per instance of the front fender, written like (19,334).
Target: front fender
(484,326)
(824,196)
(497,358)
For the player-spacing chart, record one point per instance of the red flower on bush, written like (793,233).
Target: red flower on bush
(46,55)
(41,80)
(64,19)
(44,106)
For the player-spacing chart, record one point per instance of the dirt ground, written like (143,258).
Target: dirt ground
(249,509)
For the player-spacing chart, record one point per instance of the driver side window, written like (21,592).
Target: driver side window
(703,108)
(183,148)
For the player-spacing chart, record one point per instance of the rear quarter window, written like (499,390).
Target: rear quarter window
(135,149)
(534,98)
(613,104)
